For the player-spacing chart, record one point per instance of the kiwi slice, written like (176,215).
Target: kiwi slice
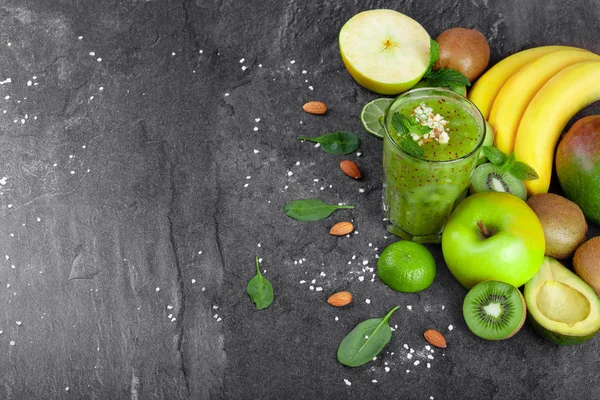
(494,310)
(490,178)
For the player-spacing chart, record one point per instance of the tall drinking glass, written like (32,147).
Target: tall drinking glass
(419,193)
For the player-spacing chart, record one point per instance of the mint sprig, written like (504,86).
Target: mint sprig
(446,77)
(443,77)
(434,54)
(518,169)
(403,128)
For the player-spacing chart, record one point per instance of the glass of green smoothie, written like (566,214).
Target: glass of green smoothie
(432,141)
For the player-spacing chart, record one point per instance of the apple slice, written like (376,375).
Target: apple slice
(384,51)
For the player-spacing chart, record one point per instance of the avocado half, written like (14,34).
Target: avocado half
(561,306)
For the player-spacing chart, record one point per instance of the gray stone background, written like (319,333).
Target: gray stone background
(147,150)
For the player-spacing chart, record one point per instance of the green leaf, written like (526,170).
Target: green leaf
(409,146)
(496,156)
(260,290)
(399,124)
(447,77)
(365,341)
(310,209)
(420,129)
(339,142)
(434,53)
(522,171)
(510,160)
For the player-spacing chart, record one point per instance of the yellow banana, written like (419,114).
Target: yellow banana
(551,108)
(519,89)
(485,89)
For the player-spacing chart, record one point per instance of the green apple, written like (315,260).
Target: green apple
(493,236)
(384,51)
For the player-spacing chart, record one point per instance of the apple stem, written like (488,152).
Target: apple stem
(483,230)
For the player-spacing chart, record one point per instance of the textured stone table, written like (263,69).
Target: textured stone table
(148,148)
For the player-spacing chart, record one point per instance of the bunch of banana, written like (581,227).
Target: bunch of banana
(530,96)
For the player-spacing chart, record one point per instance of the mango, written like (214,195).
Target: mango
(578,165)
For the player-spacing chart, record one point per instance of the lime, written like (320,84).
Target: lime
(372,116)
(406,266)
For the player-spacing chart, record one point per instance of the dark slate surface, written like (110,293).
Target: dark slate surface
(147,150)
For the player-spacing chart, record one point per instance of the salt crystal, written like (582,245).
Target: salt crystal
(450,327)
(409,308)
(387,369)
(367,301)
(345,380)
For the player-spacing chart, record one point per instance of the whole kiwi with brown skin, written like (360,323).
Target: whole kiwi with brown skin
(563,222)
(464,50)
(586,263)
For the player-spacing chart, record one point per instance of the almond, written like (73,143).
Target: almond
(350,168)
(315,107)
(340,299)
(341,228)
(435,338)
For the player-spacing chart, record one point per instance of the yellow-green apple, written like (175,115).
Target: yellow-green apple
(385,51)
(493,236)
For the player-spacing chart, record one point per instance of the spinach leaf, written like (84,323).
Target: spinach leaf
(310,209)
(260,290)
(339,142)
(365,341)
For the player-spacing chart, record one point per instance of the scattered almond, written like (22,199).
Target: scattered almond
(341,228)
(435,338)
(315,107)
(340,299)
(350,168)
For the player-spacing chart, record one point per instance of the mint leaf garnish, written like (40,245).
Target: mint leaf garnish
(495,156)
(510,160)
(434,53)
(518,169)
(446,77)
(399,124)
(403,127)
(522,171)
(410,146)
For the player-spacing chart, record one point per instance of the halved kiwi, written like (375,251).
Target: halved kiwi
(494,310)
(490,178)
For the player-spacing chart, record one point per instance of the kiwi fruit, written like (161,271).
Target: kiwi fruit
(586,263)
(491,178)
(464,50)
(563,222)
(494,310)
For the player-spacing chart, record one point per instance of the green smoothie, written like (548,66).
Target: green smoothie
(421,192)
